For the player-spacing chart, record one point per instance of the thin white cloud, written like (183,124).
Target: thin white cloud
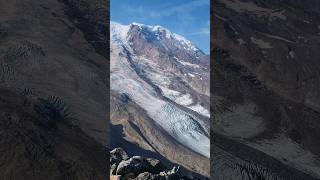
(184,13)
(167,10)
(138,10)
(186,7)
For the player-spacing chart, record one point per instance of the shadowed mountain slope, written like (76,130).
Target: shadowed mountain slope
(52,69)
(265,79)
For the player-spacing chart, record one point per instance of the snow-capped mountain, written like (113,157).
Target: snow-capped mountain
(167,77)
(120,32)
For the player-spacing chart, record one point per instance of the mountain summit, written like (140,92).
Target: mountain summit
(155,33)
(159,36)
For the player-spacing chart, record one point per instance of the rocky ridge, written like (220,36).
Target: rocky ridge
(141,168)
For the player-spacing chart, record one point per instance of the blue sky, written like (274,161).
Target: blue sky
(189,18)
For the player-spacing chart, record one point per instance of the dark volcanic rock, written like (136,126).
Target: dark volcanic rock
(139,168)
(135,165)
(148,176)
(155,165)
(117,155)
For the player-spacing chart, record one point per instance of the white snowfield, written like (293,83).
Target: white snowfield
(182,126)
(187,63)
(119,31)
(184,100)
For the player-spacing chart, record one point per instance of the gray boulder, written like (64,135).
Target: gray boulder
(135,165)
(113,169)
(172,174)
(149,176)
(117,155)
(138,165)
(155,166)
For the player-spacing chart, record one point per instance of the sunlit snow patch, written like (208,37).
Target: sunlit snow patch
(200,109)
(184,100)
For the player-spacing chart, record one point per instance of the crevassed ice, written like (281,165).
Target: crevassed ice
(179,124)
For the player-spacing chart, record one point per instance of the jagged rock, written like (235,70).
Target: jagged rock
(172,174)
(149,176)
(141,168)
(117,155)
(138,165)
(113,169)
(155,165)
(135,165)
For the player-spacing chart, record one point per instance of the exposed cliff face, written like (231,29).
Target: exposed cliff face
(161,81)
(265,79)
(172,52)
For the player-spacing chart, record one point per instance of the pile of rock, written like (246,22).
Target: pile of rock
(140,168)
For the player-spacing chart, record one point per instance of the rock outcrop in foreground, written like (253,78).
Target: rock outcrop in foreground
(141,168)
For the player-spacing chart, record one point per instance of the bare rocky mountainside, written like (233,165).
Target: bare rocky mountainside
(160,96)
(265,89)
(53,59)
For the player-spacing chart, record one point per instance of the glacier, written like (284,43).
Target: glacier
(183,126)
